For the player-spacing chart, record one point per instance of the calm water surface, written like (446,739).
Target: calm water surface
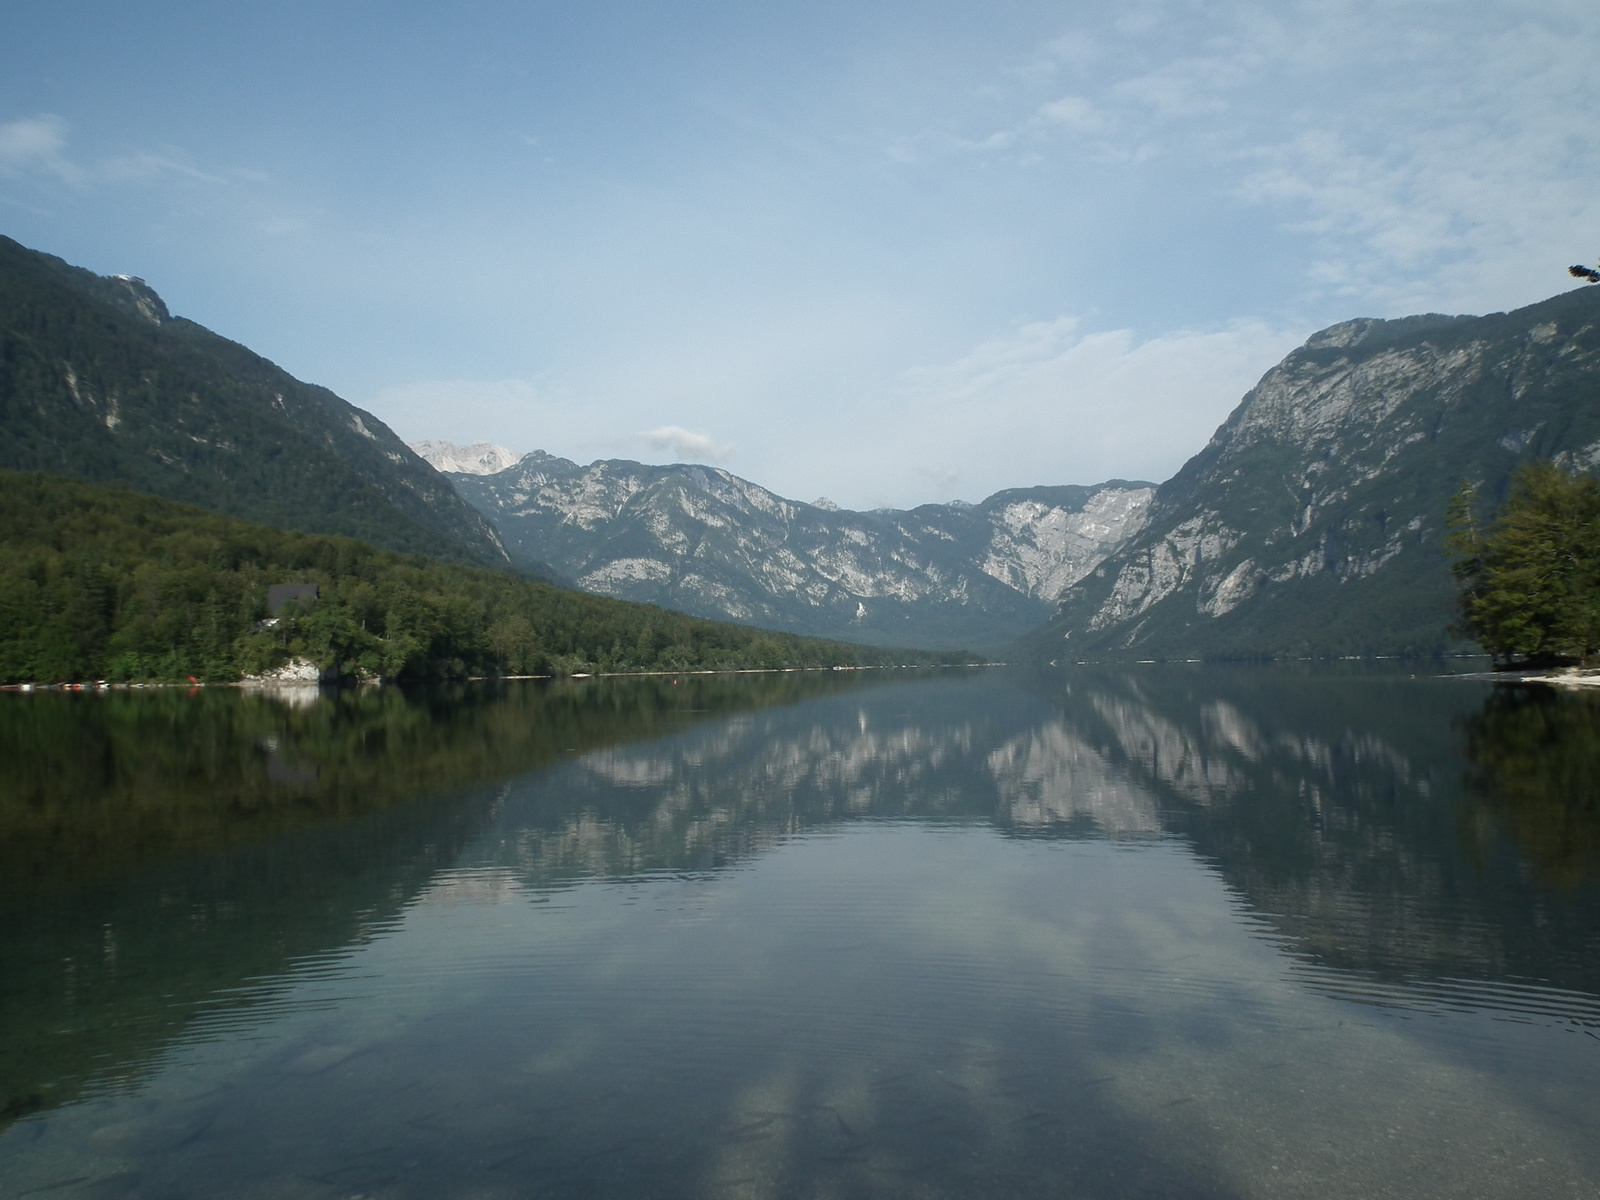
(1161,932)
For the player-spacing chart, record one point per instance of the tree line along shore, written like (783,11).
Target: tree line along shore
(103,584)
(1529,576)
(111,586)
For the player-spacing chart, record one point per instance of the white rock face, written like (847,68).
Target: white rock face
(295,671)
(1339,425)
(149,305)
(480,458)
(705,541)
(1335,472)
(625,570)
(1042,550)
(1167,565)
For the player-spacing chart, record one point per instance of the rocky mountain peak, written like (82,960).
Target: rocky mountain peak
(1313,520)
(703,540)
(480,458)
(143,299)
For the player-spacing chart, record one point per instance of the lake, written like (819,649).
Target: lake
(1186,931)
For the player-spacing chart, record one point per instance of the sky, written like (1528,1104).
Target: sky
(880,251)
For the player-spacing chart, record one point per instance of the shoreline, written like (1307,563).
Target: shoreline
(1571,679)
(101,685)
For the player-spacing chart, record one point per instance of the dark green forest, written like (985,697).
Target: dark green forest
(99,382)
(1530,577)
(99,583)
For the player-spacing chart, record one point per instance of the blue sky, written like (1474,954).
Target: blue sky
(884,252)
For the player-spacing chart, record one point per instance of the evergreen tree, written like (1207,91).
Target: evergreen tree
(97,583)
(1530,580)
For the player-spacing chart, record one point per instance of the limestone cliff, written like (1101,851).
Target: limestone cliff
(1313,521)
(705,541)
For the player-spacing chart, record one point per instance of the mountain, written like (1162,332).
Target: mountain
(480,458)
(102,583)
(1313,521)
(99,382)
(706,542)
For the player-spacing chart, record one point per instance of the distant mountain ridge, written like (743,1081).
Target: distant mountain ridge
(1311,524)
(1313,521)
(480,458)
(99,382)
(704,541)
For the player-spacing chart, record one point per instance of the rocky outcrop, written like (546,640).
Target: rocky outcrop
(296,671)
(480,458)
(1313,521)
(705,541)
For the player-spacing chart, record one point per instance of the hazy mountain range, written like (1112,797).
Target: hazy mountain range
(1312,523)
(705,541)
(480,458)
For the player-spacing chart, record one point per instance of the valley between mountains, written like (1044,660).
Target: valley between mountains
(699,539)
(1312,523)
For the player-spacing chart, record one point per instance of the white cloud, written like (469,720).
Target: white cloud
(1074,112)
(1187,88)
(1050,403)
(697,447)
(1077,49)
(36,144)
(145,165)
(1419,162)
(944,481)
(1154,400)
(1464,193)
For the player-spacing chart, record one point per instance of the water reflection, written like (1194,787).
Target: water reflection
(101,783)
(164,854)
(1332,806)
(1534,772)
(1089,933)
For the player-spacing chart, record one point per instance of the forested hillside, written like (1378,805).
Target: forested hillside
(99,382)
(101,583)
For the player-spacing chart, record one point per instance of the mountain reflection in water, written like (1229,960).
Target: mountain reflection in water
(163,855)
(182,871)
(1332,804)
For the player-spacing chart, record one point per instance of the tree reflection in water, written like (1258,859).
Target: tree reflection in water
(1533,771)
